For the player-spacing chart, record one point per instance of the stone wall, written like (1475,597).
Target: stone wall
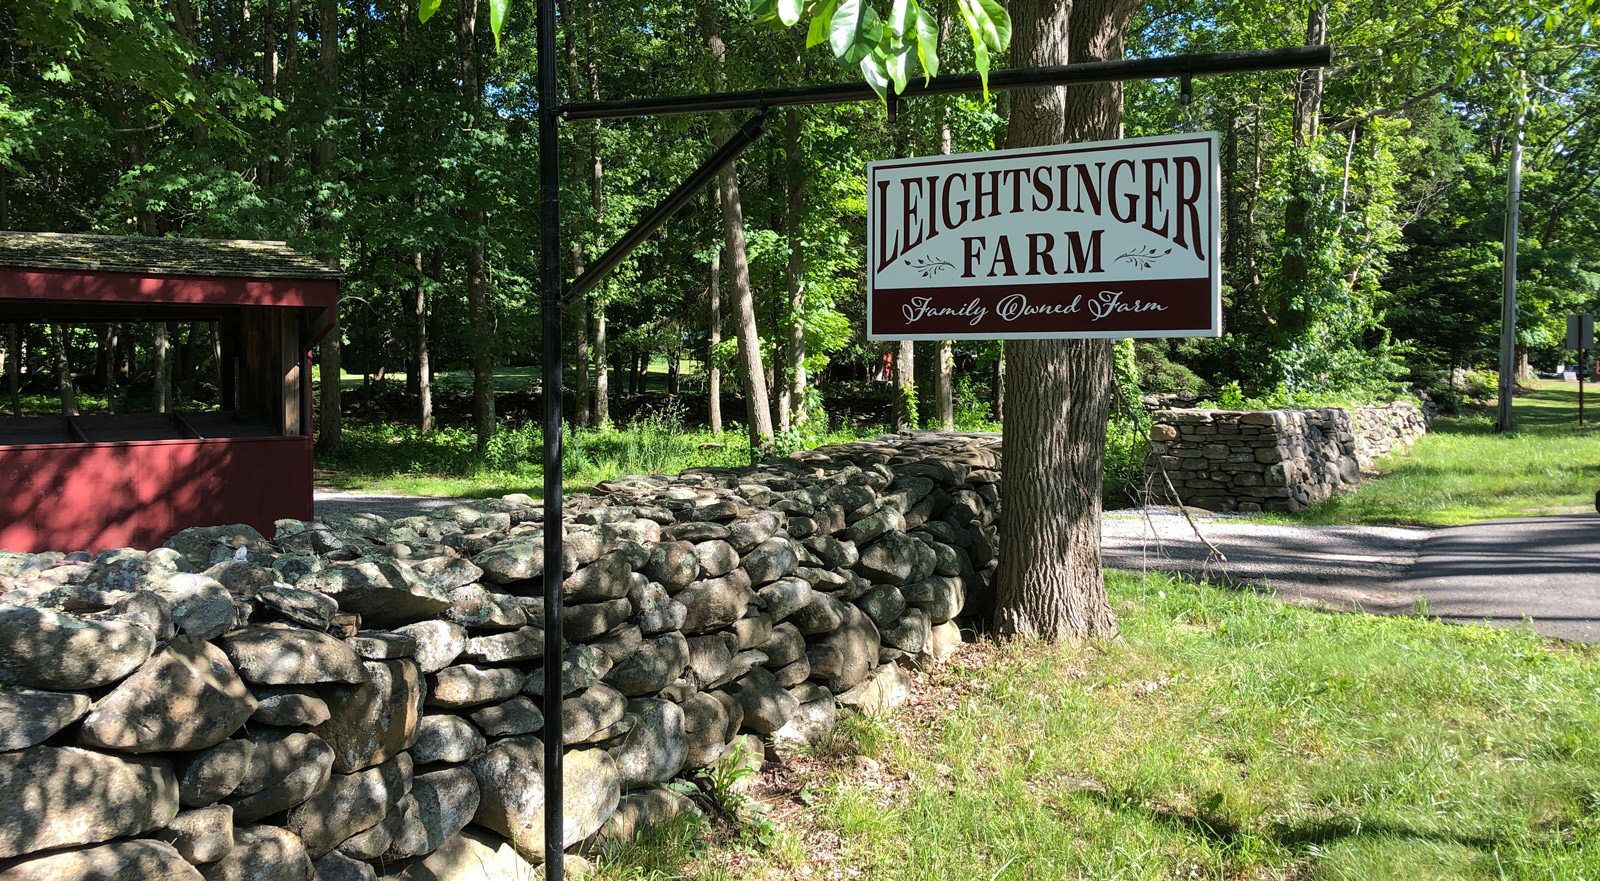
(1273,460)
(359,698)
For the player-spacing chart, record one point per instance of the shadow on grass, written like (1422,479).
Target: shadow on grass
(1220,830)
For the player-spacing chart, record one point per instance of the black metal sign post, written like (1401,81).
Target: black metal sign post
(556,295)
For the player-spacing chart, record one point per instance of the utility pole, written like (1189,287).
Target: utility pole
(1508,305)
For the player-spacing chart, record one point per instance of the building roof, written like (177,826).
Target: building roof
(147,255)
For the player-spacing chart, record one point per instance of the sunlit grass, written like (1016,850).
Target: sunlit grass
(1226,735)
(1463,471)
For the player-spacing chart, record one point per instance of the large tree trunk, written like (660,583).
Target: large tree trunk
(64,386)
(793,403)
(330,423)
(483,424)
(1049,582)
(758,412)
(714,338)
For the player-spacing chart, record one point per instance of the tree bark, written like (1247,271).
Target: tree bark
(714,339)
(1049,583)
(758,412)
(64,386)
(483,424)
(330,423)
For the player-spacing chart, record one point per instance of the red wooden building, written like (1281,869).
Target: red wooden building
(132,480)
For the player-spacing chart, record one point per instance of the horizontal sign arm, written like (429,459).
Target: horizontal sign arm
(1253,60)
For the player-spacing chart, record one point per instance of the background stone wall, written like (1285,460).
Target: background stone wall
(359,698)
(1273,460)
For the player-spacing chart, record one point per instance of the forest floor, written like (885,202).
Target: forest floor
(1225,736)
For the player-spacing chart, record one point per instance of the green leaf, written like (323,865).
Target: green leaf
(427,9)
(764,10)
(995,26)
(980,60)
(988,23)
(928,42)
(970,11)
(900,69)
(817,33)
(789,11)
(868,36)
(876,75)
(497,18)
(843,26)
(902,18)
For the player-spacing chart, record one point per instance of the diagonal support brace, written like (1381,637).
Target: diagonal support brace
(747,134)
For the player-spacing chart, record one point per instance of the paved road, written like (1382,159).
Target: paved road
(1544,568)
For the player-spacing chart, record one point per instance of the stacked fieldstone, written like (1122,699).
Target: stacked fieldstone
(1272,460)
(360,698)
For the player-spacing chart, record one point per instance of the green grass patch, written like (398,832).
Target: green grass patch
(384,457)
(1464,471)
(1226,736)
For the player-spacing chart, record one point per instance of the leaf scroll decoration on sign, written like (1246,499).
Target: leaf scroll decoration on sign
(928,266)
(1143,257)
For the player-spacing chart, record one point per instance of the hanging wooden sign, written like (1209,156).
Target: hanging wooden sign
(1107,239)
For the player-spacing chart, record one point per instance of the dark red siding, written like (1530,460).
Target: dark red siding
(123,287)
(137,494)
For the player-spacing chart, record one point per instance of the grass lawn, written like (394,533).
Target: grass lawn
(1226,736)
(1462,471)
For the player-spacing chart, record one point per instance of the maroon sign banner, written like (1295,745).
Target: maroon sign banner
(1107,239)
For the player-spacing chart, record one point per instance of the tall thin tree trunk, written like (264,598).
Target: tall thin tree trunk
(14,375)
(218,374)
(998,401)
(758,411)
(905,385)
(1297,214)
(1049,581)
(714,339)
(944,358)
(330,426)
(162,369)
(674,364)
(106,364)
(793,404)
(602,366)
(580,361)
(419,347)
(483,423)
(64,385)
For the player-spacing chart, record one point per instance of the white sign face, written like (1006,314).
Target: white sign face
(1108,239)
